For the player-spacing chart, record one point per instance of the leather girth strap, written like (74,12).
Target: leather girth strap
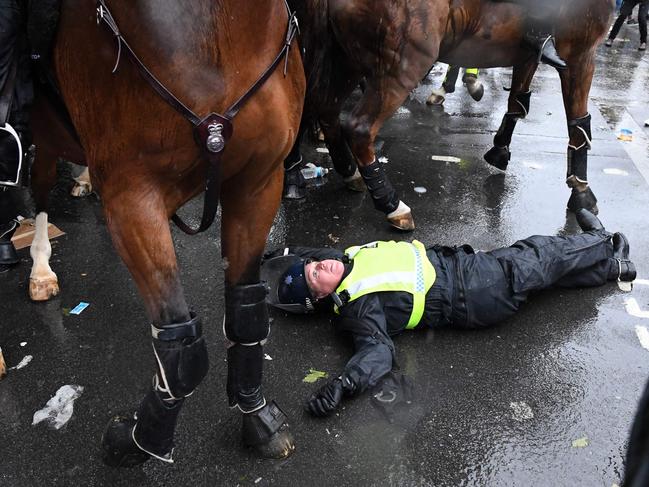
(211,132)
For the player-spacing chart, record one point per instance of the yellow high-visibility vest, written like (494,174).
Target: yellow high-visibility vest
(390,266)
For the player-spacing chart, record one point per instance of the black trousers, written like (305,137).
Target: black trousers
(625,10)
(490,286)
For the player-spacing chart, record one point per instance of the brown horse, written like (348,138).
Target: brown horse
(145,164)
(392,45)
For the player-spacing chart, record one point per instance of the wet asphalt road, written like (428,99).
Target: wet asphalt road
(496,407)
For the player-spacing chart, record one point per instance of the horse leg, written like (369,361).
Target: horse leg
(518,107)
(575,86)
(379,101)
(178,345)
(438,96)
(249,207)
(339,150)
(294,183)
(43,283)
(82,185)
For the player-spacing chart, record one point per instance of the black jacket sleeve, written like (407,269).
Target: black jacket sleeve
(373,357)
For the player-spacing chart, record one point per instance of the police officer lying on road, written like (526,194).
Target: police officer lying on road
(380,289)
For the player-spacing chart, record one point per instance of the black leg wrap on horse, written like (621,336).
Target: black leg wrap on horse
(383,193)
(580,143)
(246,313)
(577,164)
(504,135)
(523,99)
(181,358)
(245,367)
(294,183)
(156,423)
(247,327)
(257,428)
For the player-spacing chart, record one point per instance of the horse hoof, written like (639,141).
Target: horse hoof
(118,447)
(355,183)
(403,222)
(498,157)
(583,199)
(475,89)
(266,430)
(436,98)
(43,289)
(294,184)
(280,445)
(294,192)
(81,189)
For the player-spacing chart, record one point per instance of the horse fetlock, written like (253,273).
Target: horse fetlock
(384,195)
(245,369)
(401,218)
(267,431)
(117,444)
(43,288)
(583,198)
(475,88)
(294,184)
(498,157)
(181,358)
(355,182)
(81,189)
(437,97)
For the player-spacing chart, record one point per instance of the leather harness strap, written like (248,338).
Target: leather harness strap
(211,132)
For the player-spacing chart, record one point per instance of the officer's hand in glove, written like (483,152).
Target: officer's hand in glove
(326,399)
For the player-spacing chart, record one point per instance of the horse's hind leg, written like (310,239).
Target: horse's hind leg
(575,85)
(249,206)
(82,184)
(43,283)
(379,101)
(518,107)
(143,240)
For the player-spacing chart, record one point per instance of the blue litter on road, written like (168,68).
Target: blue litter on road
(79,308)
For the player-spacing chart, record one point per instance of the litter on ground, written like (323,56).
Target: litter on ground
(314,375)
(79,308)
(446,159)
(58,410)
(26,359)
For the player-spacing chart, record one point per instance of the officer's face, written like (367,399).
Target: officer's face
(323,277)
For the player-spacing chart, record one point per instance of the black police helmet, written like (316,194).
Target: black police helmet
(293,288)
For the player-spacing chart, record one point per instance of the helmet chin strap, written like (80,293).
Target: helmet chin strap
(336,299)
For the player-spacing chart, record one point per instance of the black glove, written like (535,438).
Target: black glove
(327,399)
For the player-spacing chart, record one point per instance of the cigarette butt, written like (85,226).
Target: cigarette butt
(3,366)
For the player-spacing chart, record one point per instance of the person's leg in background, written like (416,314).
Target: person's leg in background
(642,20)
(625,11)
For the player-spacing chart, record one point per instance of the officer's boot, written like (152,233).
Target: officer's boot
(543,43)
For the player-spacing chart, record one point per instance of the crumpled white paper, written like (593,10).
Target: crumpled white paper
(58,410)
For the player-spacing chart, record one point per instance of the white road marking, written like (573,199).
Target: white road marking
(633,308)
(643,336)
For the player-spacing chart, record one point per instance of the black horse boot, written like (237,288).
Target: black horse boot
(543,43)
(8,255)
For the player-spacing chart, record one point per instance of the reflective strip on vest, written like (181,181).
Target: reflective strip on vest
(390,266)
